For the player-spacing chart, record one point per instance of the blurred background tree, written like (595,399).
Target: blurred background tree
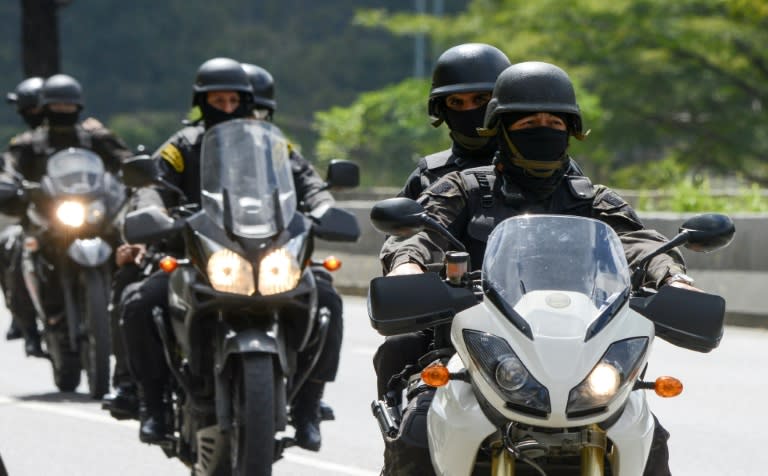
(672,91)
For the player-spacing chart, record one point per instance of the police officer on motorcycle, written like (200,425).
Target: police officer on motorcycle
(462,82)
(222,91)
(532,113)
(61,101)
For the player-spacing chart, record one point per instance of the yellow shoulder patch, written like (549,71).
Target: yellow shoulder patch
(172,155)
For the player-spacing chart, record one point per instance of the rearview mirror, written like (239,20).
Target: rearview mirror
(708,232)
(398,216)
(139,171)
(343,174)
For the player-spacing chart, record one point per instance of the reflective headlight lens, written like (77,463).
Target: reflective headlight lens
(511,374)
(96,212)
(71,213)
(278,272)
(230,273)
(617,368)
(506,374)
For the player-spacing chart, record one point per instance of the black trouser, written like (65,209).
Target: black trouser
(15,290)
(328,362)
(125,275)
(395,353)
(144,347)
(142,343)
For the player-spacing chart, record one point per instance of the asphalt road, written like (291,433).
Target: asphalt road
(717,424)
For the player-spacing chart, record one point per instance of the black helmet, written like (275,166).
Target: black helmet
(62,88)
(263,86)
(534,86)
(26,95)
(464,68)
(220,74)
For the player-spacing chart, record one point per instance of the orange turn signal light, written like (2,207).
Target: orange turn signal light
(668,387)
(168,264)
(436,375)
(331,263)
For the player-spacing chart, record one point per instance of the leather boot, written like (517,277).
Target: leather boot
(32,342)
(123,403)
(13,332)
(153,428)
(306,415)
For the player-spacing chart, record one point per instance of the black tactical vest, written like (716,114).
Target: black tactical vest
(488,206)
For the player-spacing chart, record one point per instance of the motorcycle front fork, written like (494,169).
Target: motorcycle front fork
(592,455)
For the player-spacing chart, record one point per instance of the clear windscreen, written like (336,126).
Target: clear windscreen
(532,253)
(246,175)
(75,171)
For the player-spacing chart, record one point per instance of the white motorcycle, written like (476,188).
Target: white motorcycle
(551,343)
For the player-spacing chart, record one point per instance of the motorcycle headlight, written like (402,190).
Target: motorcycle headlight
(230,273)
(278,272)
(506,373)
(71,213)
(96,212)
(617,368)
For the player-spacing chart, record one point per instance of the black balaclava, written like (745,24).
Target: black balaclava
(466,141)
(535,159)
(61,119)
(213,115)
(32,119)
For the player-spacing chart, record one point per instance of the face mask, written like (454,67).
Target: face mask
(62,119)
(464,124)
(33,120)
(213,115)
(539,151)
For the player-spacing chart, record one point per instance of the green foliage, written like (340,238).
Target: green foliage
(691,195)
(385,131)
(147,128)
(686,80)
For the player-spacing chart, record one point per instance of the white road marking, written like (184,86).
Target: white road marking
(58,409)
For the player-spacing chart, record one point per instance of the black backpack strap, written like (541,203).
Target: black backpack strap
(479,182)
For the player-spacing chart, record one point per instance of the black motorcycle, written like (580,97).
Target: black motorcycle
(69,235)
(243,300)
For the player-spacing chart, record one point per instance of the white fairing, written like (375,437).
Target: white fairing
(456,426)
(568,336)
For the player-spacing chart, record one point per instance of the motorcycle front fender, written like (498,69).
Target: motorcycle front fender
(89,252)
(244,342)
(232,344)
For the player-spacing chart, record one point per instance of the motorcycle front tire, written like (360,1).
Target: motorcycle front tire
(252,438)
(97,344)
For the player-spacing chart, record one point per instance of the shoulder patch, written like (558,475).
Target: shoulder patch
(92,124)
(172,155)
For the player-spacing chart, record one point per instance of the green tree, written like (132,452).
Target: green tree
(685,79)
(386,131)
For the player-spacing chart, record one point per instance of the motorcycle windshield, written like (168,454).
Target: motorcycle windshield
(246,178)
(75,171)
(568,259)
